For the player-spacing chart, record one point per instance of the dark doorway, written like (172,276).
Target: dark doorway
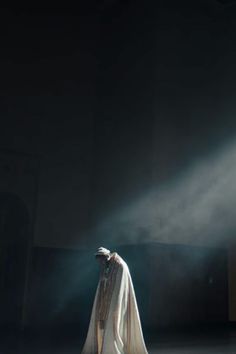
(14,242)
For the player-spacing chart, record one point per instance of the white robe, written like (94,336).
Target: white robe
(122,332)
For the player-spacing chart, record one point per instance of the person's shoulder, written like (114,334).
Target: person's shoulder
(119,261)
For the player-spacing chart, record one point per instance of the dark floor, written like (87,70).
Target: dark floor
(194,343)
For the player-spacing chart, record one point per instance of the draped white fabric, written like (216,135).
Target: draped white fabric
(122,333)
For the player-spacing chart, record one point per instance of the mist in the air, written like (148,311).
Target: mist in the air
(196,207)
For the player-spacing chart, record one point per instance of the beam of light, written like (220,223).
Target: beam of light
(198,207)
(79,274)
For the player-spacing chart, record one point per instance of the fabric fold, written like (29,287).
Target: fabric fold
(115,326)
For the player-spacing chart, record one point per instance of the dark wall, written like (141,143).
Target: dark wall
(165,95)
(116,98)
(190,286)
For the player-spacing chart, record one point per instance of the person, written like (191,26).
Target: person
(114,326)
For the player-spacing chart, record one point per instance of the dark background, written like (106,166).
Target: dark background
(117,129)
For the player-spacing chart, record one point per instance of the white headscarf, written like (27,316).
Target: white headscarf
(102,251)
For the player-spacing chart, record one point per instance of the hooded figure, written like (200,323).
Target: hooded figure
(115,326)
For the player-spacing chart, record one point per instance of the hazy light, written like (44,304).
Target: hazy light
(197,208)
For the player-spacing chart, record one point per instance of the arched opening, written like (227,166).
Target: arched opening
(14,242)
